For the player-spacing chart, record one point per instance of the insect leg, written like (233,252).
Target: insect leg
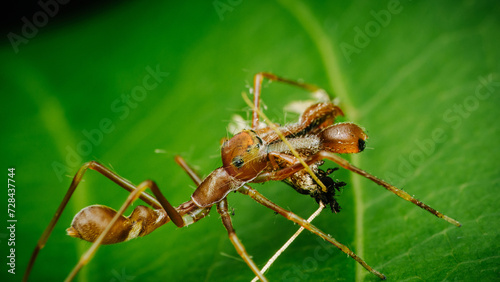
(287,214)
(400,193)
(226,220)
(254,194)
(257,82)
(290,241)
(182,163)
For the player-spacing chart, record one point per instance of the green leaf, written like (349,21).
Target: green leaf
(421,78)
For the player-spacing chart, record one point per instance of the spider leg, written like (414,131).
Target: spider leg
(254,194)
(257,88)
(400,193)
(290,241)
(226,220)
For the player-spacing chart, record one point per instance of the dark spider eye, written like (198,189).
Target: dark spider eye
(238,162)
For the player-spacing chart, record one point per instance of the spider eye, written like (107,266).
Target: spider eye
(238,162)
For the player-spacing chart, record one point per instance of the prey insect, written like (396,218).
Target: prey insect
(291,153)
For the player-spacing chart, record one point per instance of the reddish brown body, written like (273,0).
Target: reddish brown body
(244,157)
(292,153)
(248,153)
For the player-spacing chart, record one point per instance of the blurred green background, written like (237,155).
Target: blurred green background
(422,78)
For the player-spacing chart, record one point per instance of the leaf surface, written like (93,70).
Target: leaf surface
(421,78)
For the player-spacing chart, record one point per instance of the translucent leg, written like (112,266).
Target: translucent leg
(302,222)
